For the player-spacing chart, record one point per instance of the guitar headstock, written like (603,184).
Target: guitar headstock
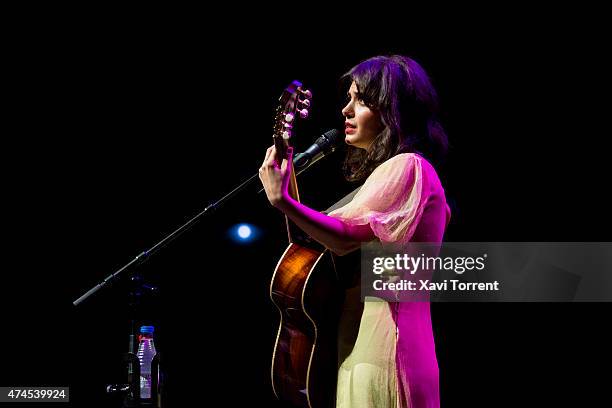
(294,103)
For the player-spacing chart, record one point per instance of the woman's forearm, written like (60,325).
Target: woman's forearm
(334,234)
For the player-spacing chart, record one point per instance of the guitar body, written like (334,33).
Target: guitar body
(304,363)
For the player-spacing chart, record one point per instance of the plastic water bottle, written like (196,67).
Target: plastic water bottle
(146,352)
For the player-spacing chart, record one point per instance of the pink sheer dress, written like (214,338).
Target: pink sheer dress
(390,360)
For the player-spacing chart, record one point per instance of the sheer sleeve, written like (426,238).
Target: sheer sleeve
(391,200)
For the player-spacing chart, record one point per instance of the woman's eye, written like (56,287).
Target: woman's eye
(356,98)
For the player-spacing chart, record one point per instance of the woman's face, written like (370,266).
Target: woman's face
(362,124)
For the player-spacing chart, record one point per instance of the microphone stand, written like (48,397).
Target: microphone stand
(133,386)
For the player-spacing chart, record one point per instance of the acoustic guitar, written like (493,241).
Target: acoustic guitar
(306,290)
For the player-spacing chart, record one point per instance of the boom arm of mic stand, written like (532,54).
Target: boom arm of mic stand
(144,255)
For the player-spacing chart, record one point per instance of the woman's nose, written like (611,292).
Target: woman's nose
(347,111)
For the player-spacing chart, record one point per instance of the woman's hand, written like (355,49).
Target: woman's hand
(335,234)
(276,180)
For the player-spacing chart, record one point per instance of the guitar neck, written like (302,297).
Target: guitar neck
(294,103)
(293,231)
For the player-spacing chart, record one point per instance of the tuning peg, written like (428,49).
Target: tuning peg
(303,113)
(288,126)
(307,94)
(289,117)
(306,103)
(287,134)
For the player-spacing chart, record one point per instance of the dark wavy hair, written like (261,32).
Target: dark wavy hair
(400,90)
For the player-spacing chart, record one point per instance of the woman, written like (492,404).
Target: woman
(391,126)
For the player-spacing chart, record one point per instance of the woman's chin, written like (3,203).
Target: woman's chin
(350,140)
(354,143)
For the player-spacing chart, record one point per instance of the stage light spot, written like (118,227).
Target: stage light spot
(244,231)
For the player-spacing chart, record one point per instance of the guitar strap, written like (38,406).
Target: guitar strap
(347,266)
(343,201)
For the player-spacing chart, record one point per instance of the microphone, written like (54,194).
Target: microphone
(324,145)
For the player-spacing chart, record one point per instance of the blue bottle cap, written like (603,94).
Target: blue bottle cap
(147,329)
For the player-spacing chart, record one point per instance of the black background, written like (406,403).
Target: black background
(117,132)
